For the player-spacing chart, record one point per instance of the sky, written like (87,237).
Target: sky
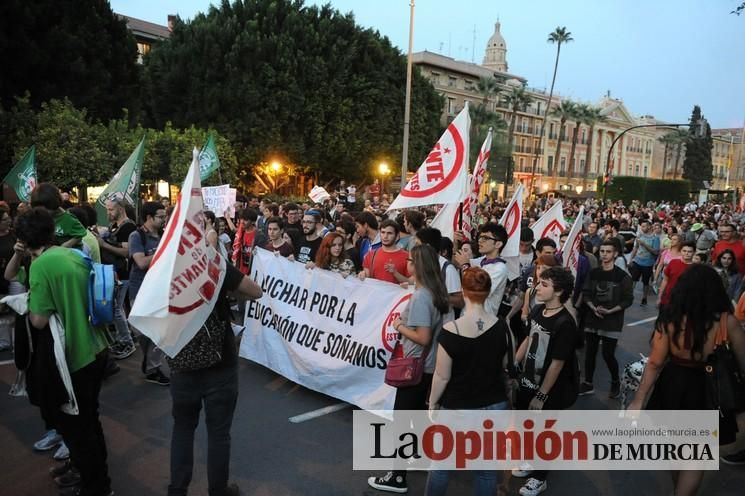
(660,57)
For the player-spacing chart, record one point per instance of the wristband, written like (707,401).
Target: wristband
(542,397)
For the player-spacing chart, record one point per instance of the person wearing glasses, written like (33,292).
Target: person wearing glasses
(727,241)
(308,244)
(142,243)
(492,237)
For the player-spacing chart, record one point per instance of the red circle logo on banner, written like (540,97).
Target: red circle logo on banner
(512,219)
(388,333)
(441,167)
(553,227)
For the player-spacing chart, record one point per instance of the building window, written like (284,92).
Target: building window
(522,163)
(636,169)
(584,136)
(563,166)
(646,171)
(581,165)
(142,50)
(452,81)
(550,164)
(551,131)
(451,106)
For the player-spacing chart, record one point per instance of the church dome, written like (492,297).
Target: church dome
(496,40)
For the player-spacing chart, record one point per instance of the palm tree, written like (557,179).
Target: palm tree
(669,142)
(590,117)
(565,111)
(516,100)
(577,115)
(680,137)
(559,36)
(487,88)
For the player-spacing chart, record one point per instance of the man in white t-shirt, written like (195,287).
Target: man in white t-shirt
(492,237)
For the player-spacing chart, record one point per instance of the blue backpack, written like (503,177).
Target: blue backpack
(102,286)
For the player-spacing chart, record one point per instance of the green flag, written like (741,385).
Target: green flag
(124,185)
(208,161)
(22,177)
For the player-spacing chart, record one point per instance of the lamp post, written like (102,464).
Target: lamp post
(384,170)
(276,168)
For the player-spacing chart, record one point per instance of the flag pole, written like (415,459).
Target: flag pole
(407,104)
(460,217)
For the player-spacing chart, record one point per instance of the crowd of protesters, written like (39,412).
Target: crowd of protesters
(489,339)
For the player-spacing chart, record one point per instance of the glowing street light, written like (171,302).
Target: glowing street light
(383,169)
(276,167)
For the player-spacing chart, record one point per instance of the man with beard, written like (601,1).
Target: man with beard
(387,263)
(143,243)
(308,244)
(114,246)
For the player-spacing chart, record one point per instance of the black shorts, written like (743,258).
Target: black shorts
(639,271)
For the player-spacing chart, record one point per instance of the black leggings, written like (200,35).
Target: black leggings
(412,398)
(592,342)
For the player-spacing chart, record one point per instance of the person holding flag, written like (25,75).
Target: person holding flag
(492,237)
(22,177)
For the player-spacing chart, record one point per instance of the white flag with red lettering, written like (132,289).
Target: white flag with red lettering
(183,282)
(447,220)
(443,177)
(512,222)
(551,224)
(570,250)
(477,179)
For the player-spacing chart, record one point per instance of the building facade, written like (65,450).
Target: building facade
(636,153)
(146,33)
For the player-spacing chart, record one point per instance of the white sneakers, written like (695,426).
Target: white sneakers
(524,470)
(533,487)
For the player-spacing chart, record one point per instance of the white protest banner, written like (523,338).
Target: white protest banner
(551,224)
(217,199)
(443,177)
(570,250)
(232,195)
(447,220)
(477,179)
(512,222)
(319,194)
(193,271)
(322,331)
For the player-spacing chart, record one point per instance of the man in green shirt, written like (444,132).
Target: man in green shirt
(68,231)
(58,282)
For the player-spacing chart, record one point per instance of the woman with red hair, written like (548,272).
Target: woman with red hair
(331,256)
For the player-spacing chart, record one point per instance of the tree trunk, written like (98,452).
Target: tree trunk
(588,157)
(510,137)
(558,150)
(573,149)
(664,159)
(545,120)
(677,160)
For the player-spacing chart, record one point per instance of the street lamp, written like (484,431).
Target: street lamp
(579,189)
(276,168)
(384,170)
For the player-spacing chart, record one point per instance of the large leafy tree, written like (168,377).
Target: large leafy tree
(74,49)
(567,110)
(305,85)
(697,165)
(590,116)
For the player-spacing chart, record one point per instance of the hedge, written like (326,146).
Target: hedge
(628,188)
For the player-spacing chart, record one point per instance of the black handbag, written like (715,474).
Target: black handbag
(725,386)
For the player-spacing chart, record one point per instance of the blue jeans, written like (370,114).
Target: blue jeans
(484,481)
(123,336)
(217,389)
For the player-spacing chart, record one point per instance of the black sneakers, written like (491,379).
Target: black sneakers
(615,390)
(734,459)
(585,388)
(389,482)
(158,378)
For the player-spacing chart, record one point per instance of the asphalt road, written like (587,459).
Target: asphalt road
(275,457)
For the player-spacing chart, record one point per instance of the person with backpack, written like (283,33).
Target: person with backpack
(142,243)
(58,282)
(607,293)
(114,244)
(205,374)
(549,377)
